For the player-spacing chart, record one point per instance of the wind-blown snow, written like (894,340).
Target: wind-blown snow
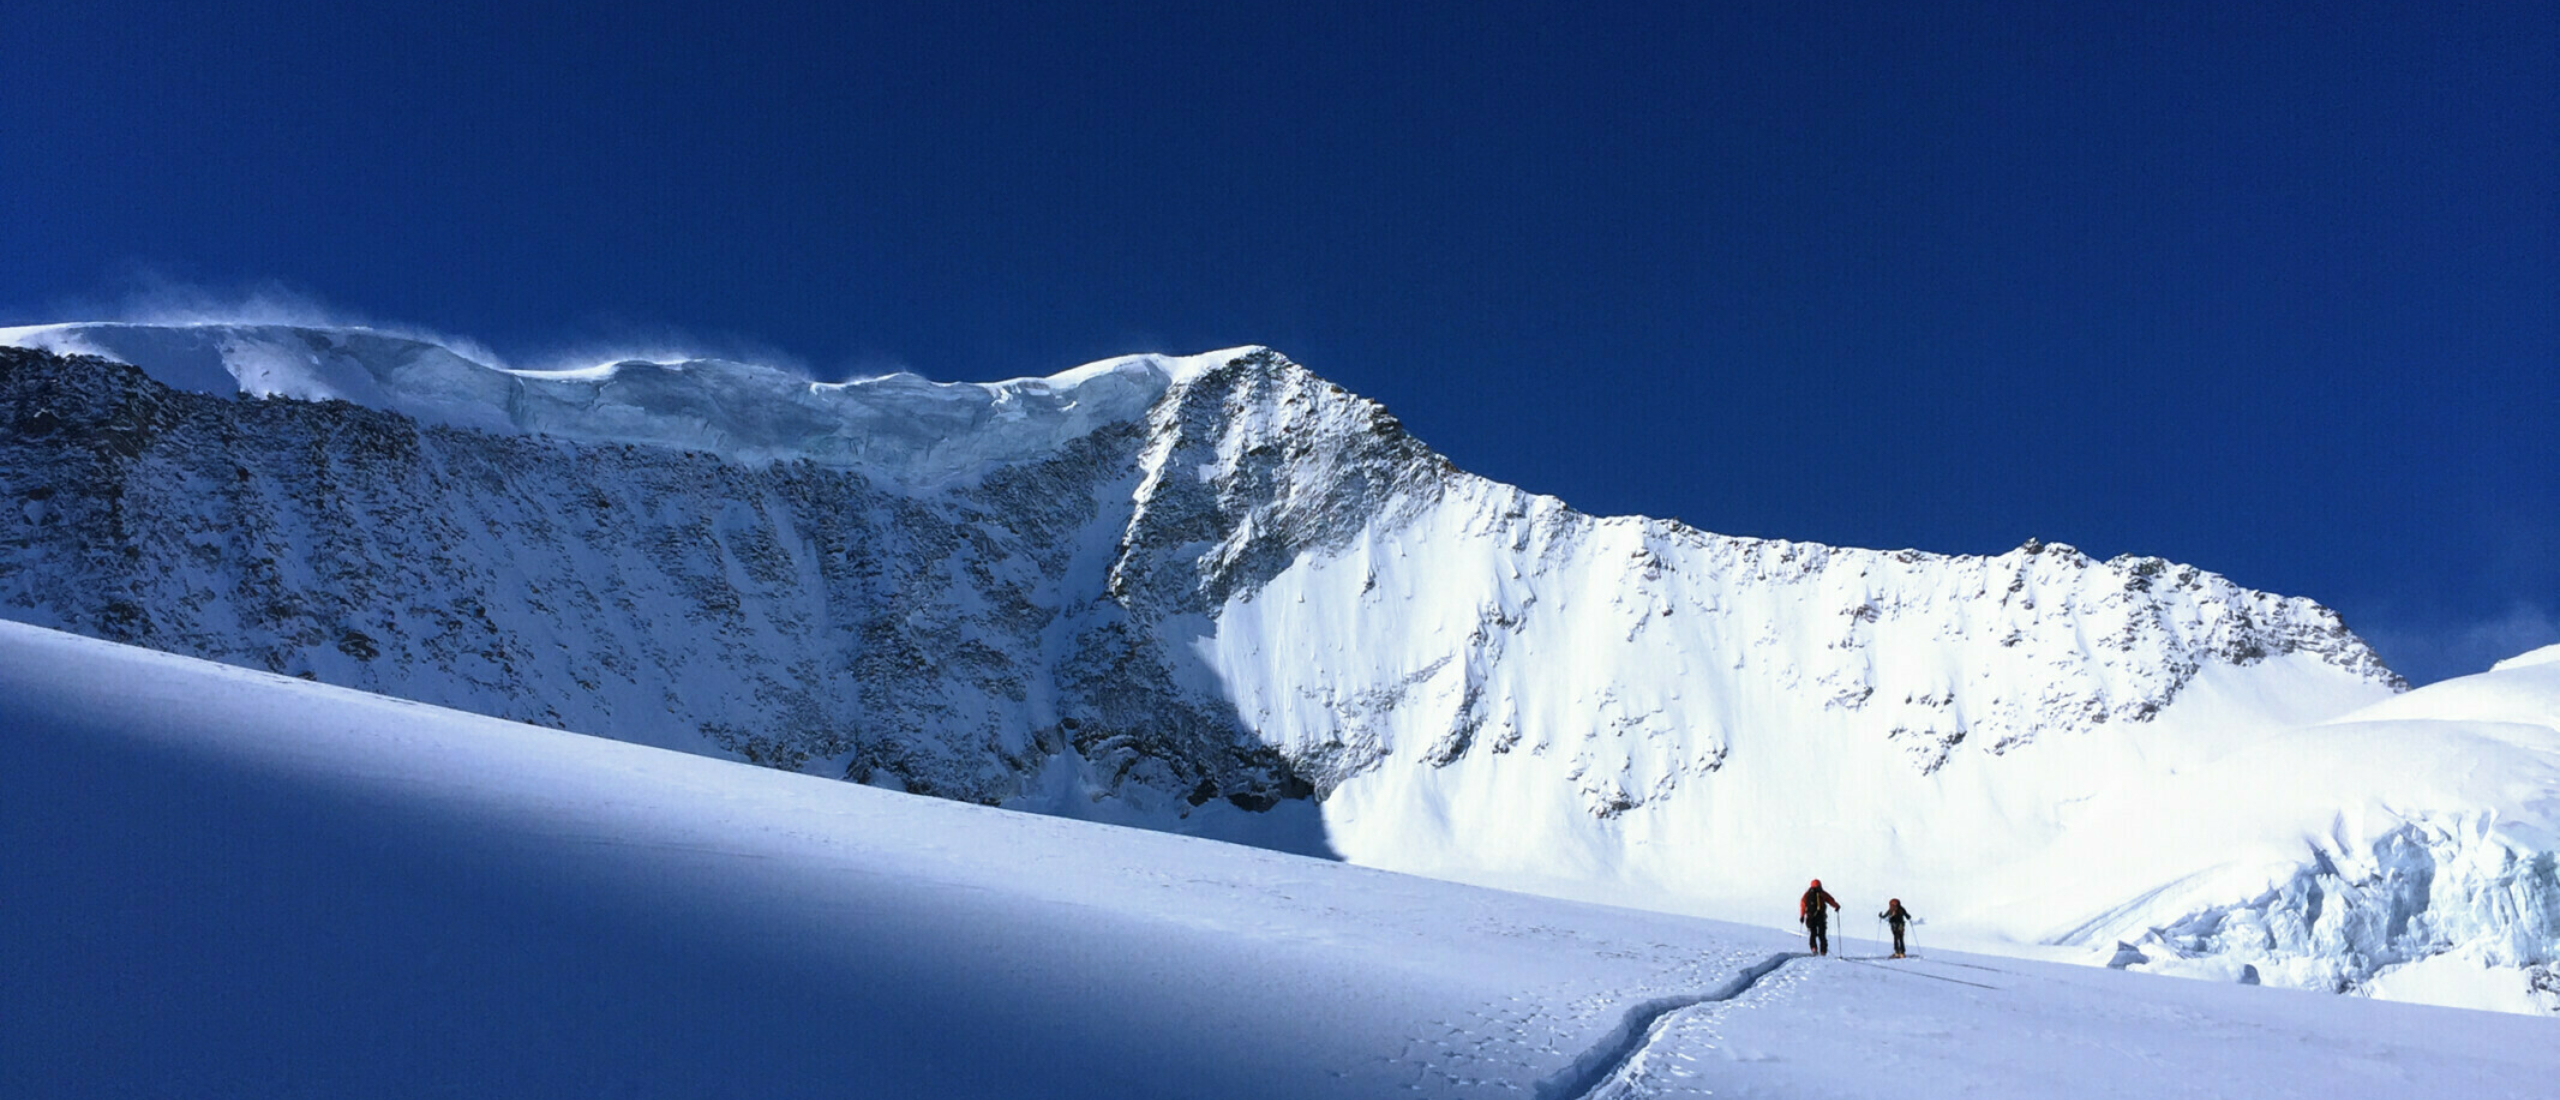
(899,427)
(224,882)
(1193,592)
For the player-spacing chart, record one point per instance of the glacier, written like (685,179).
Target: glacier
(2406,848)
(1218,594)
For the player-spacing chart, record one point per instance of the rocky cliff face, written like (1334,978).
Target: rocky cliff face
(952,640)
(784,612)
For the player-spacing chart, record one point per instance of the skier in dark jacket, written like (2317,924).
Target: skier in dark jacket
(1897,916)
(1816,919)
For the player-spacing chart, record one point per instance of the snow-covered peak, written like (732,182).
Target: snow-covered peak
(2547,655)
(899,428)
(1157,589)
(2521,690)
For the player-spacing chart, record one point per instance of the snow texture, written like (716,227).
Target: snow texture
(2405,849)
(227,882)
(1219,595)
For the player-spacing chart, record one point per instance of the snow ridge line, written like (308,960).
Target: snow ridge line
(1634,1032)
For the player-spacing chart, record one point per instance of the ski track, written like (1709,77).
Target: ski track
(1634,1033)
(1915,973)
(1936,961)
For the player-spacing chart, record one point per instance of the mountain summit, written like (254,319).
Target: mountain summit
(1217,594)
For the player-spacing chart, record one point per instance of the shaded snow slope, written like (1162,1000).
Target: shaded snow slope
(1214,594)
(224,882)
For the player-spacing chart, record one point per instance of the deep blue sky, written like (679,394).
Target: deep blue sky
(2276,293)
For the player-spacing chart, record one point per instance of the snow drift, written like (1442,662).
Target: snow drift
(1213,594)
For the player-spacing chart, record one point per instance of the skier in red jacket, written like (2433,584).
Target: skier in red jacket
(1815,918)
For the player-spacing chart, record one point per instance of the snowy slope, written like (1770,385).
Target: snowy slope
(225,882)
(2407,848)
(228,881)
(1213,594)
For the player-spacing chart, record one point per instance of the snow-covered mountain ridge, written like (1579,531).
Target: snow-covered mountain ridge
(897,428)
(1157,590)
